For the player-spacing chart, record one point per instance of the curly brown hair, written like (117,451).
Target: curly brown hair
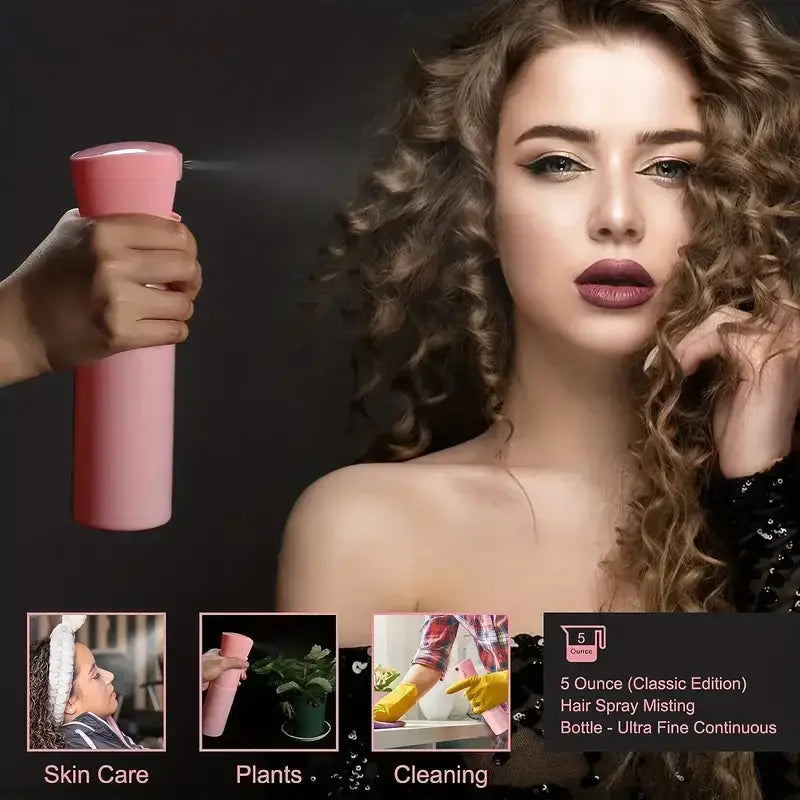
(435,318)
(43,733)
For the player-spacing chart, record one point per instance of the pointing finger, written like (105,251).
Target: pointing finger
(459,686)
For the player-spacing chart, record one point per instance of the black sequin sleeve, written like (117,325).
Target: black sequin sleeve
(759,516)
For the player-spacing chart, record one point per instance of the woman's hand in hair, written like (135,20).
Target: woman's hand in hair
(754,423)
(96,287)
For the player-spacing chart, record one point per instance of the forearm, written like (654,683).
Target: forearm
(18,361)
(423,678)
(14,367)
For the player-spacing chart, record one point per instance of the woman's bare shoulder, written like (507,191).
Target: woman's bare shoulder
(391,495)
(366,493)
(354,499)
(356,538)
(350,545)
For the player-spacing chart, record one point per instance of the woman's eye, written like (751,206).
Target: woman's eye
(669,170)
(555,165)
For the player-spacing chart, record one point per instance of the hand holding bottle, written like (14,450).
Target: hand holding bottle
(96,287)
(215,664)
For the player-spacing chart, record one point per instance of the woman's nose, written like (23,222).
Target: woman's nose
(617,216)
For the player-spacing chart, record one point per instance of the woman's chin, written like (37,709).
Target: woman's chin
(606,336)
(617,341)
(610,354)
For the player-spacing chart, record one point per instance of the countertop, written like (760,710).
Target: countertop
(421,732)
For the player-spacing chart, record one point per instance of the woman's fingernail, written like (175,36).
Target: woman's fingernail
(176,217)
(651,357)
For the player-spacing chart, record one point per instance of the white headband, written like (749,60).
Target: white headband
(62,663)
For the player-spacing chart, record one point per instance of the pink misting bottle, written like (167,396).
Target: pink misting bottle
(124,404)
(495,718)
(220,694)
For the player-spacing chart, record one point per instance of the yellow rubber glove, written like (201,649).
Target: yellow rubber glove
(484,692)
(398,702)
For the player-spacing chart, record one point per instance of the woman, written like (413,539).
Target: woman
(71,700)
(573,183)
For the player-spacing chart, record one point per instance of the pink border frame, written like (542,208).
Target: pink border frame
(334,749)
(372,679)
(30,614)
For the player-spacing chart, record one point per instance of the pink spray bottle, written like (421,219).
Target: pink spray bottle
(124,404)
(495,718)
(220,694)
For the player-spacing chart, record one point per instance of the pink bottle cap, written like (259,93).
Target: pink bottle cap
(149,151)
(115,178)
(236,645)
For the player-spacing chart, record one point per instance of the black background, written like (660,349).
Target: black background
(255,718)
(261,392)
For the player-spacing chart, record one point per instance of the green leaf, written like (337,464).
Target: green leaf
(323,683)
(314,674)
(261,668)
(270,666)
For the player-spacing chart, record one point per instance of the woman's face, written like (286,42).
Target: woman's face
(93,689)
(594,144)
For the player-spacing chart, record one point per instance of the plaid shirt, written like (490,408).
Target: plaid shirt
(490,632)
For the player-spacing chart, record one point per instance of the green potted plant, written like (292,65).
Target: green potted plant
(383,678)
(303,686)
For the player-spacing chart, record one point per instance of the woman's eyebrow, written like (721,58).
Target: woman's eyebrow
(585,136)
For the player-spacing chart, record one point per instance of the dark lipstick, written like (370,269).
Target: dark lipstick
(616,284)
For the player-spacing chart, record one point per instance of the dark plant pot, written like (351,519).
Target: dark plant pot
(308,720)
